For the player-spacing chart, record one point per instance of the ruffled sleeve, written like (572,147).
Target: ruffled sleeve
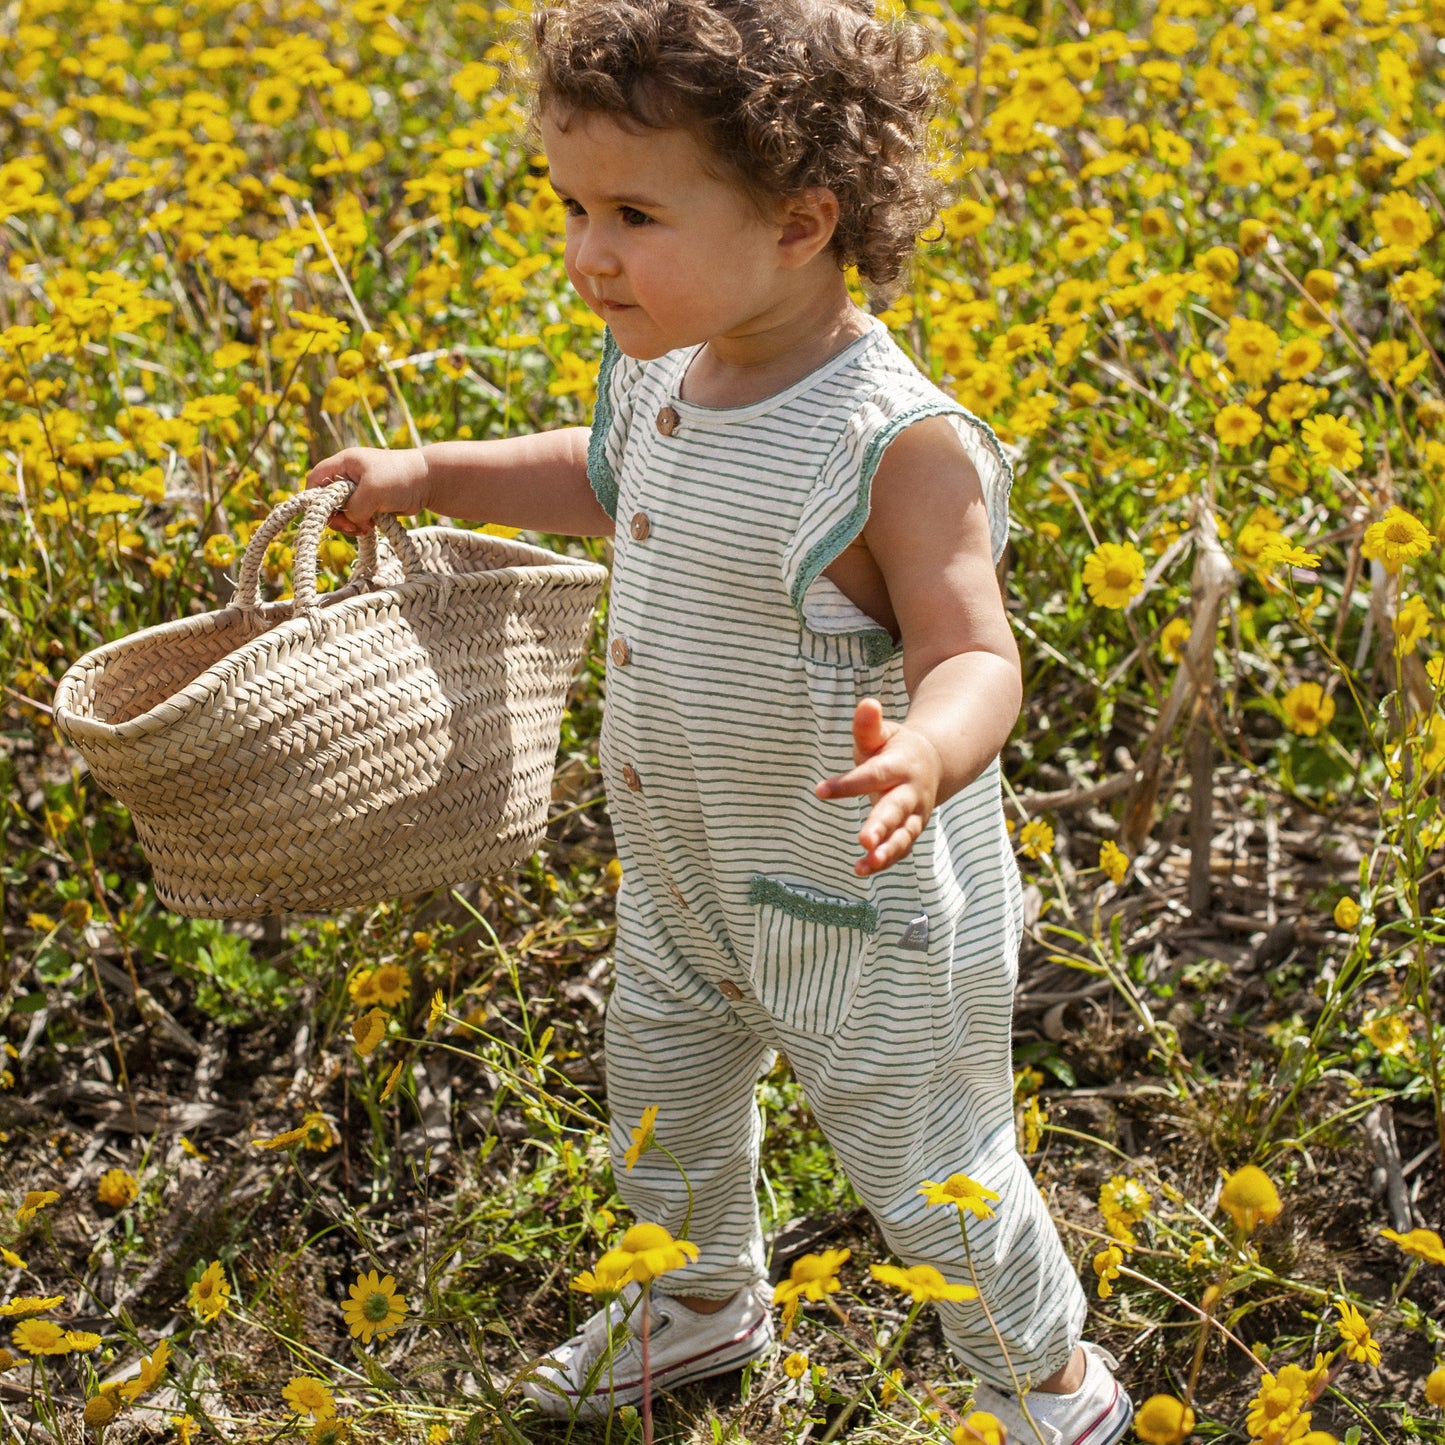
(611,420)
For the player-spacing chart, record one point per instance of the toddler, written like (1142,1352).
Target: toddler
(810,675)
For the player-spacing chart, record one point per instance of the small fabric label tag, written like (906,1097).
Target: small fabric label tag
(915,936)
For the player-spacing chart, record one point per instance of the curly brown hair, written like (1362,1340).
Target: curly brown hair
(787,94)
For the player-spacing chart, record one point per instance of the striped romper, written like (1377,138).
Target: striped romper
(734,668)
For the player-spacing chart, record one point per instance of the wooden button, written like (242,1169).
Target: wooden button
(667,421)
(729,990)
(641,527)
(631,777)
(621,652)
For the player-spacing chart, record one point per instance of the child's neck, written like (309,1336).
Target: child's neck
(776,350)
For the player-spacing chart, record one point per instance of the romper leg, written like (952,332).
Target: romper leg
(667,1046)
(896,1114)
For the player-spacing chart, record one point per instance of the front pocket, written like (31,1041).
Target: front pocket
(808,952)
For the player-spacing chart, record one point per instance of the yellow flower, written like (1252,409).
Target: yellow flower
(1435,1386)
(979,1428)
(368,1030)
(1249,1198)
(282,1141)
(151,1370)
(100,1410)
(392,1080)
(1332,441)
(1412,625)
(1275,1409)
(1360,1345)
(1106,1266)
(211,1294)
(1400,220)
(34,1199)
(1173,638)
(329,1431)
(1422,1243)
(436,1011)
(1277,551)
(812,1276)
(795,1366)
(391,984)
(646,1251)
(1389,1033)
(1036,838)
(117,1188)
(641,1138)
(82,1340)
(1114,861)
(219,550)
(958,1189)
(316,1132)
(922,1282)
(12,1259)
(273,101)
(24,1304)
(1163,1420)
(1307,709)
(375,1308)
(1236,425)
(42,1337)
(1252,349)
(1299,356)
(1347,913)
(1395,539)
(1114,573)
(308,1396)
(1414,288)
(185,1426)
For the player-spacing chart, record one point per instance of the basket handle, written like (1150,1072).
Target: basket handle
(317,504)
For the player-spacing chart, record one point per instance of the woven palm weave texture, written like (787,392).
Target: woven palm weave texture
(394,736)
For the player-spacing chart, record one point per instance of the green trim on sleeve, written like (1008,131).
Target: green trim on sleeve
(811,907)
(841,533)
(599,473)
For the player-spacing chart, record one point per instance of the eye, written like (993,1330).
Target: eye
(632,217)
(572,208)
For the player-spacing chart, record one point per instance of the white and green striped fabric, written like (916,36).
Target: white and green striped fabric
(734,670)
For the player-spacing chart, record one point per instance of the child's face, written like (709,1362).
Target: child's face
(665,252)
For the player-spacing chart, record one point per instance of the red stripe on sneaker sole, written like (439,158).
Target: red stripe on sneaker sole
(1112,1419)
(694,1367)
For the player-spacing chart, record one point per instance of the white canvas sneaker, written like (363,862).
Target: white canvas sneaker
(1097,1413)
(583,1377)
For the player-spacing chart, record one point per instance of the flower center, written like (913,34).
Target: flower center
(377,1307)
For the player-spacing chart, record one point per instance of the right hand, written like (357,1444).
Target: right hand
(386,481)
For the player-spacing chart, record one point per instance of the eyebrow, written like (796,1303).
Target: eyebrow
(641,203)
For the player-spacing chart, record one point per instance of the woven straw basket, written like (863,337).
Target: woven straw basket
(398,735)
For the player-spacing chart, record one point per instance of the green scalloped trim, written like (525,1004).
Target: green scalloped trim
(604,484)
(878,646)
(860,915)
(841,533)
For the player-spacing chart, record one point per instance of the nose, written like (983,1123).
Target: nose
(592,254)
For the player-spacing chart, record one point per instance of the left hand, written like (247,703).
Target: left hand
(900,769)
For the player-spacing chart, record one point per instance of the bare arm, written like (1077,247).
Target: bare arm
(928,532)
(537,481)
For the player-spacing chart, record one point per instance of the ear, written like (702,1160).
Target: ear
(806,223)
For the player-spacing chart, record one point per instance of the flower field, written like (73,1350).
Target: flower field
(327,1176)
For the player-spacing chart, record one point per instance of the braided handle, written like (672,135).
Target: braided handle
(317,504)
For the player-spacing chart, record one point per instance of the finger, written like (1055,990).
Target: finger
(892,811)
(874,776)
(869,731)
(895,847)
